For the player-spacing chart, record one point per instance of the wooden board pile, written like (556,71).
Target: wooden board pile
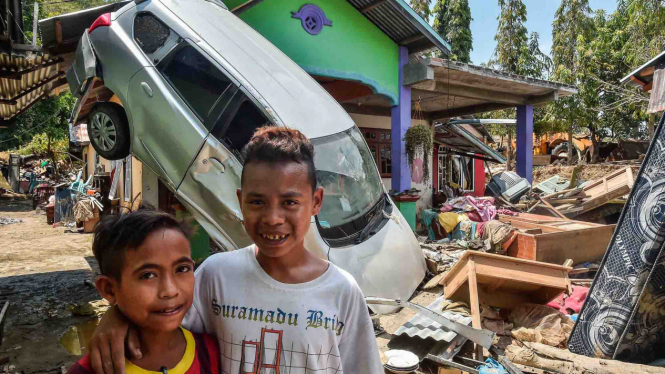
(573,202)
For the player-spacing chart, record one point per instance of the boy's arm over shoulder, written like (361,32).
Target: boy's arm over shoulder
(358,348)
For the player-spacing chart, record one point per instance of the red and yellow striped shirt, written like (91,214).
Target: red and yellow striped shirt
(201,357)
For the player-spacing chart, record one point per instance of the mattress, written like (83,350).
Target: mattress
(623,316)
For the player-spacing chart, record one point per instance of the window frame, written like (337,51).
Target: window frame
(225,115)
(232,88)
(444,165)
(379,144)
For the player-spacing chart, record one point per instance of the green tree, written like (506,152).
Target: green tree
(511,52)
(571,22)
(452,20)
(422,8)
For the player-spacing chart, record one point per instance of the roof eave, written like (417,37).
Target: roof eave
(421,25)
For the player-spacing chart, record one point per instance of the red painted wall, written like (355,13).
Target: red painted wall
(479,178)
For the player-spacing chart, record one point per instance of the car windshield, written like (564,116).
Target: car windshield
(346,171)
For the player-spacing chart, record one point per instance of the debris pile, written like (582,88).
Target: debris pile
(8,221)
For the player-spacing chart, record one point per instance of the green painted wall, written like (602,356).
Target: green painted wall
(352,49)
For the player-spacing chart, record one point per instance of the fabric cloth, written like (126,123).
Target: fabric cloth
(484,206)
(318,325)
(426,217)
(201,356)
(540,324)
(507,212)
(84,210)
(474,216)
(450,220)
(570,304)
(496,231)
(446,208)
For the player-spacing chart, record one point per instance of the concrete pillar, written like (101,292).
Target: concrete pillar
(399,123)
(525,142)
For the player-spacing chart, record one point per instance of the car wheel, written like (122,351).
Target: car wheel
(109,131)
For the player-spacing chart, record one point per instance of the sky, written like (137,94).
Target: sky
(540,15)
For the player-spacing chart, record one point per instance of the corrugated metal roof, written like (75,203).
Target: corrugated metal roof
(26,79)
(636,73)
(402,24)
(423,327)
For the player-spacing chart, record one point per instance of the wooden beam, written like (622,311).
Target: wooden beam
(374,5)
(649,70)
(245,6)
(412,39)
(471,109)
(637,80)
(647,87)
(58,32)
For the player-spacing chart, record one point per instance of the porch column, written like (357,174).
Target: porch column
(525,142)
(400,120)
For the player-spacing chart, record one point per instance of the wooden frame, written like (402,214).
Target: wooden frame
(379,140)
(503,282)
(554,240)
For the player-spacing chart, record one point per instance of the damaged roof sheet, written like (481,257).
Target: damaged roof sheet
(423,327)
(25,79)
(457,138)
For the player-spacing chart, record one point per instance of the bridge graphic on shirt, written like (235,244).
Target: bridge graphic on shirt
(267,355)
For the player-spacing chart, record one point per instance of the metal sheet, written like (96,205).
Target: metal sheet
(423,327)
(457,138)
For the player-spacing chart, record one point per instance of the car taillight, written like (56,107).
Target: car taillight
(103,20)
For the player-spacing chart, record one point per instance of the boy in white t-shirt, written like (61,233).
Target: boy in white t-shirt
(274,306)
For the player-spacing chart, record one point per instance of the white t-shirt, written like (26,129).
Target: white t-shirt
(318,327)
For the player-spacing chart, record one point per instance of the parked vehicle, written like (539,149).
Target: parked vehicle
(183,85)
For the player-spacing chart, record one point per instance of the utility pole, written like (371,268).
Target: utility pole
(35,18)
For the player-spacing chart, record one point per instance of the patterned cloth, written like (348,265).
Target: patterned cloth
(624,314)
(483,205)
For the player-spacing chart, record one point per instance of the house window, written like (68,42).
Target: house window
(380,144)
(456,171)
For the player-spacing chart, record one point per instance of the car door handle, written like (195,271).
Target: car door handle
(218,164)
(146,88)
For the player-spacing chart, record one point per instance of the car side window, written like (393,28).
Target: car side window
(239,122)
(150,33)
(195,78)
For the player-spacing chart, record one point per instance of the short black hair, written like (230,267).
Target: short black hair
(117,233)
(273,144)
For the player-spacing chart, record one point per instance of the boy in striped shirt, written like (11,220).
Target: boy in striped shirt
(148,272)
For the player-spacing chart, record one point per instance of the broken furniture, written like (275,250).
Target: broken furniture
(503,282)
(596,193)
(554,240)
(622,316)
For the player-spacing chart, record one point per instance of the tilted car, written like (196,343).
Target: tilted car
(182,86)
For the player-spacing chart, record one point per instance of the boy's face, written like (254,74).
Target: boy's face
(277,205)
(157,282)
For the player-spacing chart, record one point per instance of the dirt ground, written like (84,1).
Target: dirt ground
(43,271)
(587,172)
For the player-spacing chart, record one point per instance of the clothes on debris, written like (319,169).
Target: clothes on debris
(491,366)
(458,307)
(495,233)
(570,304)
(426,217)
(484,206)
(541,324)
(84,210)
(450,220)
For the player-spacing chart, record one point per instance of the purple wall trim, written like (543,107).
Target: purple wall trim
(525,142)
(400,121)
(312,18)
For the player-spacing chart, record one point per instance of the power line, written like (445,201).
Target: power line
(32,129)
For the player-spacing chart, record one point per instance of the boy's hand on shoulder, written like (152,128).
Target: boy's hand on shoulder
(107,344)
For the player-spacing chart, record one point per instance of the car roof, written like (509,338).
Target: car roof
(300,102)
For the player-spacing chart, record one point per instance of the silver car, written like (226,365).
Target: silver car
(182,85)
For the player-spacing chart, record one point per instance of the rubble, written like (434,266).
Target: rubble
(9,221)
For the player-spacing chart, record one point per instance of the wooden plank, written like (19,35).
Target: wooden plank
(455,278)
(524,247)
(554,210)
(493,287)
(520,273)
(586,245)
(475,304)
(435,281)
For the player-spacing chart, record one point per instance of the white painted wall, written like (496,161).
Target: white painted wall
(379,122)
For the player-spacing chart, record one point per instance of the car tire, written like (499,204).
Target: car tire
(108,130)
